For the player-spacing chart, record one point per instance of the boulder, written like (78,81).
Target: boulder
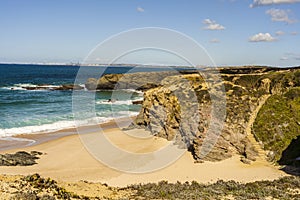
(20,158)
(91,84)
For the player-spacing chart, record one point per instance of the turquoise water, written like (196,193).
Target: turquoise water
(25,111)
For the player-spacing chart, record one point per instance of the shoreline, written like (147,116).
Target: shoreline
(28,140)
(66,159)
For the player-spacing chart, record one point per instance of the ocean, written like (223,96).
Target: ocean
(27,111)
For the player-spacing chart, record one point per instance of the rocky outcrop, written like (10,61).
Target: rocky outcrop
(180,109)
(50,87)
(108,81)
(139,81)
(21,158)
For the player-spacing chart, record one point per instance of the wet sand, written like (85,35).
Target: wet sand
(26,140)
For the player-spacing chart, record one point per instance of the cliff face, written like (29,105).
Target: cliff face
(166,113)
(262,110)
(162,114)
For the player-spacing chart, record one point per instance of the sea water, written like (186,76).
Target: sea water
(24,111)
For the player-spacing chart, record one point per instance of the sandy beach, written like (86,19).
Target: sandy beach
(67,159)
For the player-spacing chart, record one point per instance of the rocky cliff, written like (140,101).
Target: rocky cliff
(180,107)
(162,114)
(246,89)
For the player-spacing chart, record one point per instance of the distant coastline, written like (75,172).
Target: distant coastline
(97,65)
(67,64)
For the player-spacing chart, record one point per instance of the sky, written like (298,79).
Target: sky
(232,32)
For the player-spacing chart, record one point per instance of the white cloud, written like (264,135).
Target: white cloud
(215,40)
(284,58)
(257,3)
(290,56)
(279,15)
(294,33)
(212,25)
(140,9)
(279,33)
(262,37)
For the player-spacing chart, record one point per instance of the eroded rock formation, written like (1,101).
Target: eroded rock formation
(169,111)
(189,109)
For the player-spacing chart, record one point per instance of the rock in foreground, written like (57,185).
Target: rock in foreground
(21,158)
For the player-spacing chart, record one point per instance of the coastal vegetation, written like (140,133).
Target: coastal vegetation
(278,124)
(35,187)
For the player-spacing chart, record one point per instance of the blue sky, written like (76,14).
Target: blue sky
(234,32)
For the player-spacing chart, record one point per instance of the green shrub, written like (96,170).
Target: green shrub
(277,123)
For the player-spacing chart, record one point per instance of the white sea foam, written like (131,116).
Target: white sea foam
(138,99)
(115,102)
(125,113)
(25,86)
(140,93)
(36,129)
(30,142)
(119,102)
(56,126)
(133,91)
